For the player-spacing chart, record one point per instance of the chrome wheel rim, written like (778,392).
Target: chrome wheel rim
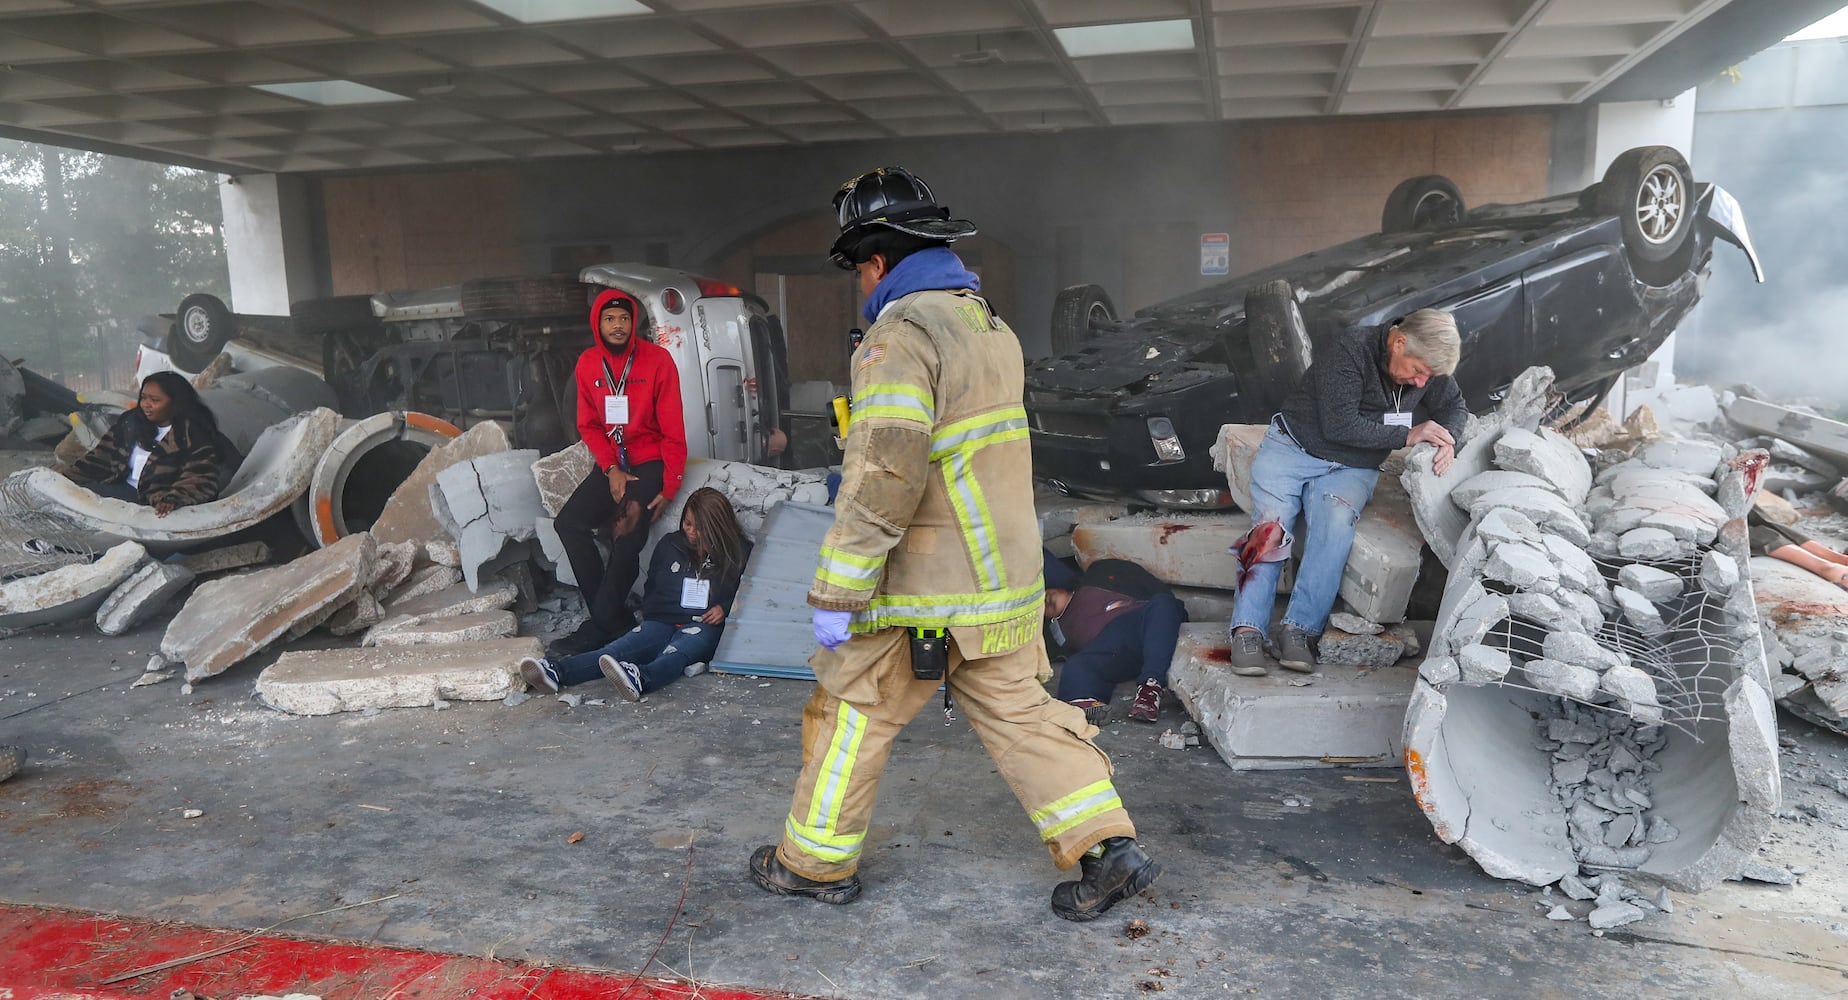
(197,325)
(1661,204)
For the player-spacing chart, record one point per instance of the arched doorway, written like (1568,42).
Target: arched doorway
(819,303)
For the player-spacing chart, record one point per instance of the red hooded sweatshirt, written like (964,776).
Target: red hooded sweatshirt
(656,430)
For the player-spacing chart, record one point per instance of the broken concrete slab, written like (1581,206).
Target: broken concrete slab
(552,554)
(1639,612)
(1657,585)
(359,614)
(443,552)
(1522,567)
(1479,664)
(559,474)
(225,558)
(1338,648)
(753,491)
(68,592)
(427,580)
(392,566)
(1582,650)
(1205,605)
(1058,515)
(274,473)
(1635,692)
(1650,544)
(477,626)
(1475,486)
(229,619)
(769,633)
(485,503)
(1783,451)
(323,682)
(1563,679)
(493,595)
(1698,458)
(1438,519)
(1342,719)
(407,515)
(1547,456)
(1188,550)
(1545,509)
(1820,435)
(142,596)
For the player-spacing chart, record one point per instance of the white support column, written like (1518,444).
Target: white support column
(266,243)
(1614,128)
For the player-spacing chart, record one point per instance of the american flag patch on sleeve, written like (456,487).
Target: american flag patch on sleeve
(873,355)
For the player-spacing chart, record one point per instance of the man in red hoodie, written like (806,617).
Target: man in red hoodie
(628,412)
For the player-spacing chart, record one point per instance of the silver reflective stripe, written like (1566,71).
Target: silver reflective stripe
(981,541)
(947,442)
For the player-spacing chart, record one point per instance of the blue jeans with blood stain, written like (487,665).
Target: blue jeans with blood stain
(662,650)
(1286,482)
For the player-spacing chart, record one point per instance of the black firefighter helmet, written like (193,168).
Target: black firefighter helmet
(894,198)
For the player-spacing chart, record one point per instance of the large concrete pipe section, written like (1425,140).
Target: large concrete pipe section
(359,471)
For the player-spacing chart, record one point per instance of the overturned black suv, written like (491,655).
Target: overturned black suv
(1588,283)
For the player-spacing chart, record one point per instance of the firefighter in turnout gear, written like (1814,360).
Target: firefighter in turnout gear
(934,533)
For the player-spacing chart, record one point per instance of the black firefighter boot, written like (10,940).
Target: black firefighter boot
(1123,870)
(768,870)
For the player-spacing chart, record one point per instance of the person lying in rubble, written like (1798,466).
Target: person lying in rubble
(1115,623)
(1788,544)
(164,453)
(1361,399)
(692,580)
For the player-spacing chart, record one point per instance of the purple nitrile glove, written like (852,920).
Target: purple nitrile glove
(830,626)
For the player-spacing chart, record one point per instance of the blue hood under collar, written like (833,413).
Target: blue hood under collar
(936,269)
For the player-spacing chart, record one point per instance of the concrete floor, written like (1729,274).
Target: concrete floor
(465,816)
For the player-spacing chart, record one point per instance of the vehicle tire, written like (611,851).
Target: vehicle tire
(202,326)
(1422,203)
(525,297)
(1280,348)
(1651,192)
(1076,313)
(315,317)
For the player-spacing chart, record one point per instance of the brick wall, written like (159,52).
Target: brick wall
(1307,185)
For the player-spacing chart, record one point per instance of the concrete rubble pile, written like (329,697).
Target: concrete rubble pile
(1595,699)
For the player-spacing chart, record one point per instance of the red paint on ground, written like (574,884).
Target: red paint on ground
(1221,654)
(63,955)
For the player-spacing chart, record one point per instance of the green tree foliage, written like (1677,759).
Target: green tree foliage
(88,240)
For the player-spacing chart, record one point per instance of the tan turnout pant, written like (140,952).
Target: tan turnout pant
(1041,746)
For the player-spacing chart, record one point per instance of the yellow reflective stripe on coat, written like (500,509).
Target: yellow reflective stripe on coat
(1073,810)
(847,570)
(973,518)
(817,834)
(896,400)
(950,610)
(1009,424)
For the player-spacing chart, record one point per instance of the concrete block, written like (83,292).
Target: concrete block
(1563,679)
(226,558)
(1582,650)
(1651,544)
(1353,624)
(1467,492)
(1342,719)
(360,614)
(485,503)
(552,551)
(1205,605)
(1440,670)
(1436,516)
(227,620)
(1577,570)
(427,580)
(1522,567)
(1058,515)
(478,626)
(1547,456)
(1480,664)
(68,592)
(1784,451)
(1338,648)
(1546,611)
(1659,586)
(1820,435)
(1642,615)
(142,596)
(1510,526)
(443,552)
(1791,479)
(407,515)
(1189,550)
(1543,508)
(559,474)
(1627,476)
(1698,458)
(1689,404)
(323,682)
(1382,567)
(494,595)
(1635,692)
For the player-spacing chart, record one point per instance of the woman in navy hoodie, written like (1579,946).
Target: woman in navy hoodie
(691,582)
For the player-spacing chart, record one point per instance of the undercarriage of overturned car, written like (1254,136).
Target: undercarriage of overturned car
(1589,284)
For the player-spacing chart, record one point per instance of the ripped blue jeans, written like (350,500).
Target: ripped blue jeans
(660,649)
(1287,481)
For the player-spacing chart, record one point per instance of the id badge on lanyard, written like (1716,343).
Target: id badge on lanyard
(615,410)
(695,593)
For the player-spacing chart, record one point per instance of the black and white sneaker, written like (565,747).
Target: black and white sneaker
(625,675)
(538,674)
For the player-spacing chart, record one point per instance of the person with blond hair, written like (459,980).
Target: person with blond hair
(1364,397)
(691,582)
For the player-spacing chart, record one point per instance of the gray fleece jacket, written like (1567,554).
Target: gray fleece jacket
(1338,411)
